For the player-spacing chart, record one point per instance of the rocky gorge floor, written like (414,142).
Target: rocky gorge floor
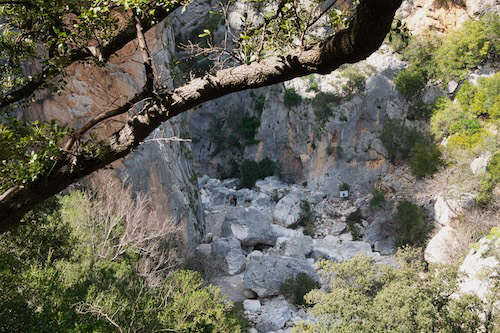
(257,238)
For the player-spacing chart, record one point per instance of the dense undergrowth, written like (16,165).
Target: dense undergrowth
(78,265)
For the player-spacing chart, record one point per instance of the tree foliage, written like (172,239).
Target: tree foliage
(368,297)
(57,275)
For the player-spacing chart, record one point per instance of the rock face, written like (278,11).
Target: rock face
(289,210)
(266,273)
(441,247)
(249,226)
(227,252)
(446,209)
(161,169)
(333,248)
(481,265)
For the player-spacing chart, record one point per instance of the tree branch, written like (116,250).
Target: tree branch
(126,35)
(370,24)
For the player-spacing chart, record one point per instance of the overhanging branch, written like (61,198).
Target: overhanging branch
(370,25)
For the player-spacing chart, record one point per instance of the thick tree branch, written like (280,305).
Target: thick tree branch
(370,25)
(126,35)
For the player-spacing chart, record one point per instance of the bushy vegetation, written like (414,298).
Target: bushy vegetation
(488,182)
(57,275)
(366,297)
(291,98)
(465,120)
(399,35)
(307,218)
(412,227)
(248,128)
(251,171)
(378,198)
(449,58)
(353,222)
(344,186)
(410,81)
(404,143)
(324,106)
(467,48)
(356,81)
(297,287)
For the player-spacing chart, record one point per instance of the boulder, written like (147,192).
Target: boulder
(288,210)
(478,165)
(441,246)
(227,254)
(332,248)
(251,305)
(266,273)
(299,246)
(249,226)
(481,266)
(479,8)
(231,286)
(446,209)
(274,315)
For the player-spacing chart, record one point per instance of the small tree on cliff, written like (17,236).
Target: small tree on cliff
(278,40)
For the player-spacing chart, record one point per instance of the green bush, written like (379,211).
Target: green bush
(398,139)
(324,106)
(467,48)
(297,287)
(53,278)
(486,100)
(488,182)
(378,198)
(420,111)
(412,228)
(353,222)
(425,159)
(291,98)
(344,187)
(410,82)
(356,81)
(251,171)
(248,129)
(306,219)
(363,296)
(399,36)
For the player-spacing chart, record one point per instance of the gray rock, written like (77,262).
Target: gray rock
(231,286)
(479,8)
(441,246)
(296,247)
(446,209)
(478,165)
(274,315)
(228,255)
(481,267)
(337,228)
(266,273)
(251,305)
(249,226)
(214,220)
(288,210)
(332,248)
(452,86)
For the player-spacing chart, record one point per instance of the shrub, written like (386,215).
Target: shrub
(353,221)
(467,48)
(344,187)
(306,219)
(486,98)
(410,82)
(425,159)
(324,106)
(399,35)
(251,171)
(366,297)
(412,228)
(291,98)
(248,129)
(378,198)
(297,287)
(445,113)
(488,182)
(355,81)
(260,103)
(398,139)
(420,111)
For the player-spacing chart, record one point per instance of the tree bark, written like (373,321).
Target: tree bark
(371,23)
